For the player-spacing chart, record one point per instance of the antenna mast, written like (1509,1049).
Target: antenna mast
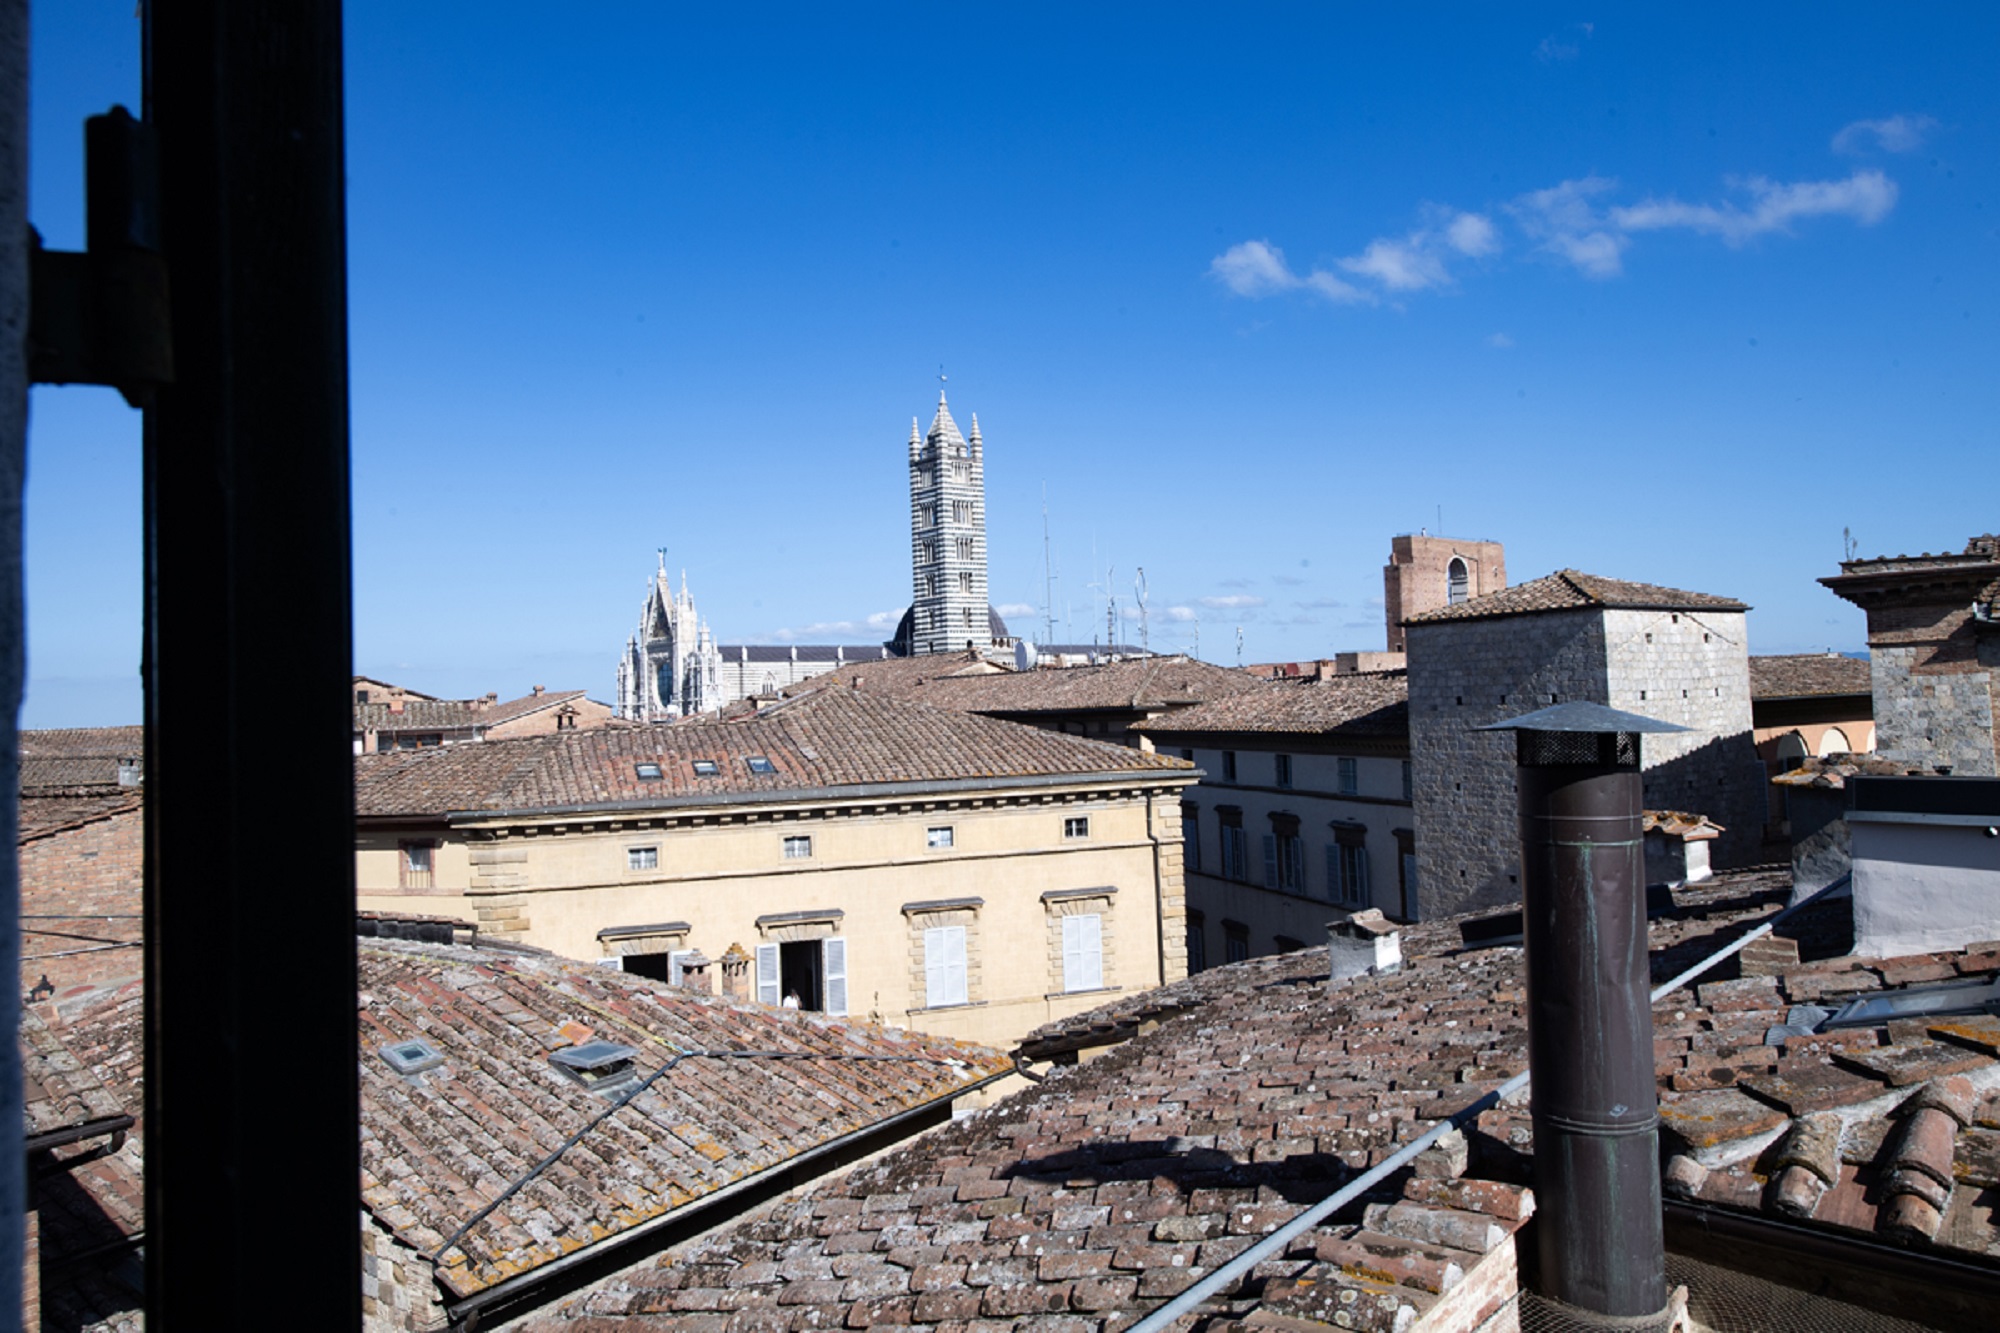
(1048,575)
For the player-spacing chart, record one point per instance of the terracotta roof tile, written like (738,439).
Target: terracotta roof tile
(1571,590)
(1808,675)
(829,737)
(949,681)
(1374,704)
(419,714)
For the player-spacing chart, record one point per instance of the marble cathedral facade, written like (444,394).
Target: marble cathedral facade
(671,666)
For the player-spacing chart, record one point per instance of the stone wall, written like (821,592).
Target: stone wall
(1692,668)
(1689,668)
(1936,714)
(398,1293)
(1465,674)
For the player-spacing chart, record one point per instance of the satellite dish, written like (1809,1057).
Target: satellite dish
(1024,655)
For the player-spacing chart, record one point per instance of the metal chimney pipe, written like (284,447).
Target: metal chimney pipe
(1590,1030)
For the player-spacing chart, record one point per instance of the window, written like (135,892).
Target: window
(1229,765)
(1083,952)
(965,548)
(1458,582)
(1187,753)
(930,515)
(929,553)
(1409,781)
(1235,941)
(966,615)
(930,585)
(1283,764)
(937,839)
(810,973)
(944,966)
(1234,853)
(1347,866)
(958,469)
(1190,837)
(1284,856)
(759,764)
(799,847)
(1076,826)
(642,858)
(1349,776)
(647,772)
(706,768)
(965,581)
(414,865)
(1197,943)
(961,511)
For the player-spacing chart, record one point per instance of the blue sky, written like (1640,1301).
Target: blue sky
(1674,296)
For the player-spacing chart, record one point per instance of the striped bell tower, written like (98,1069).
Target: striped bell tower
(948,538)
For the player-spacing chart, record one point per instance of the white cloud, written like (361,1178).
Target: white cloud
(1258,269)
(1181,614)
(1499,340)
(821,630)
(1472,234)
(1553,47)
(1233,602)
(1567,224)
(1892,134)
(1016,609)
(1401,266)
(1866,197)
(1320,603)
(884,619)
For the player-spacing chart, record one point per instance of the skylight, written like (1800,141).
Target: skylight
(647,771)
(412,1057)
(759,764)
(706,768)
(603,1067)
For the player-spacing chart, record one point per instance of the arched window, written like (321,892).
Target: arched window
(965,548)
(1457,582)
(1791,751)
(1833,741)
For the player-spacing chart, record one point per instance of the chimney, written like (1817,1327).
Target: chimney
(540,690)
(1590,1024)
(1363,944)
(736,973)
(694,973)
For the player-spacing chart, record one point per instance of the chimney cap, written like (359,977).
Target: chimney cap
(1578,715)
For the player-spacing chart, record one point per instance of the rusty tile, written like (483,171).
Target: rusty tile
(1913,1063)
(1705,1119)
(1814,1087)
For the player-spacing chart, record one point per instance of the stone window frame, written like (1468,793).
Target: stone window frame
(618,941)
(1100,902)
(797,847)
(944,912)
(1076,828)
(1285,855)
(932,842)
(643,858)
(1347,862)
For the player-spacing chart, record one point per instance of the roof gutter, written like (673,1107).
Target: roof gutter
(464,1314)
(860,791)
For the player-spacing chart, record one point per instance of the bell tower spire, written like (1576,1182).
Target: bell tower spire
(948,606)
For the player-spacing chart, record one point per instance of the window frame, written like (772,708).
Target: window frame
(947,971)
(1281,769)
(408,874)
(1082,952)
(933,842)
(794,841)
(1076,827)
(642,858)
(1347,775)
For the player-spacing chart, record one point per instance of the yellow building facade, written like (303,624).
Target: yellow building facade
(974,906)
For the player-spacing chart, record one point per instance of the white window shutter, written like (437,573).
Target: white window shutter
(674,965)
(767,974)
(835,957)
(944,966)
(1270,861)
(1083,953)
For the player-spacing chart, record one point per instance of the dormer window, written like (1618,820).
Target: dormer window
(604,1068)
(759,764)
(647,770)
(706,768)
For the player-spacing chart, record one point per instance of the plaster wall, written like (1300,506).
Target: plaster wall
(1923,887)
(556,884)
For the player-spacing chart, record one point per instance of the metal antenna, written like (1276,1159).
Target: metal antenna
(1239,645)
(1139,591)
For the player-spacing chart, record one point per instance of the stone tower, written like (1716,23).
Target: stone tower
(948,606)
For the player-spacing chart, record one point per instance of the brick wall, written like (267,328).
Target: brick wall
(80,903)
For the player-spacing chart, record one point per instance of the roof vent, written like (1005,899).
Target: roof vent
(412,1057)
(604,1067)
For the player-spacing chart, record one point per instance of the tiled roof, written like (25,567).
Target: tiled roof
(1806,675)
(43,815)
(1570,590)
(1374,704)
(1147,682)
(76,759)
(1121,1180)
(419,714)
(901,676)
(829,737)
(803,652)
(439,1145)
